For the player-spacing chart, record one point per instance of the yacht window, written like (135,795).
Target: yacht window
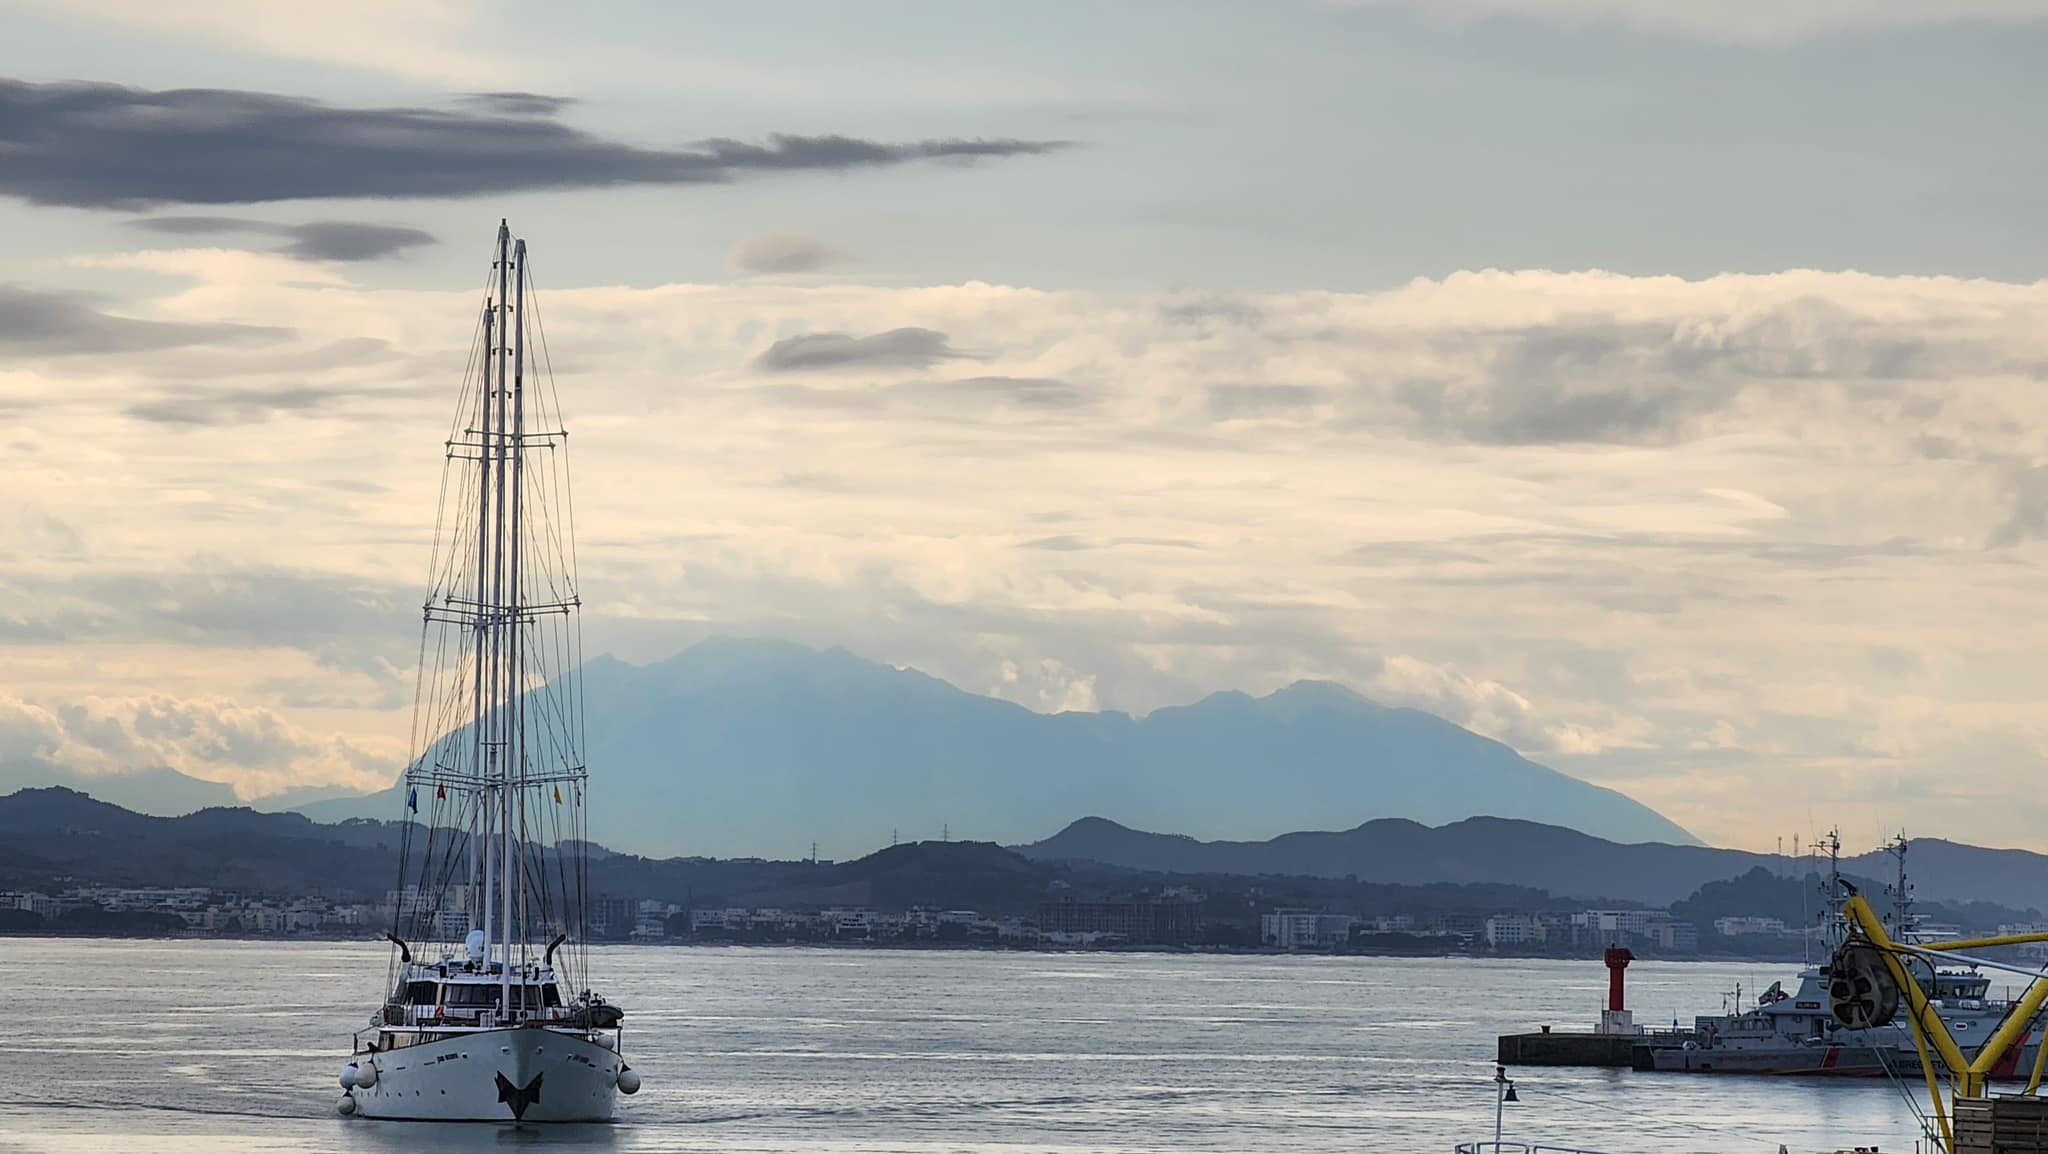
(420,993)
(550,995)
(473,995)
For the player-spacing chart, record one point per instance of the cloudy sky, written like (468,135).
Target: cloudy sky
(1654,386)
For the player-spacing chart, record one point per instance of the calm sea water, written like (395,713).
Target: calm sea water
(235,1046)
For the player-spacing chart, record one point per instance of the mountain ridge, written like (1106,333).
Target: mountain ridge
(745,746)
(56,836)
(767,745)
(1490,849)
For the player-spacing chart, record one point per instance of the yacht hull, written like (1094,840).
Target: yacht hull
(506,1075)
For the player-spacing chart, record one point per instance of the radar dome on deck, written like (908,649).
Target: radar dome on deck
(473,945)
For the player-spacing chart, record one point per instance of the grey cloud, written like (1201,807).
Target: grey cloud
(1593,378)
(1492,548)
(1026,392)
(41,323)
(2026,516)
(1228,401)
(199,225)
(1035,399)
(896,348)
(1063,543)
(1069,543)
(333,240)
(192,406)
(1203,308)
(208,405)
(811,480)
(516,103)
(108,146)
(347,240)
(344,623)
(781,252)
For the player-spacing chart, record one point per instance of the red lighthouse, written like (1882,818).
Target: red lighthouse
(1616,1019)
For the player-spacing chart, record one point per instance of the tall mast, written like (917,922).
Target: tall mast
(503,796)
(479,834)
(515,745)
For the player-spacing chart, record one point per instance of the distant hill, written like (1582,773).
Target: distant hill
(739,747)
(158,790)
(56,833)
(54,838)
(1547,857)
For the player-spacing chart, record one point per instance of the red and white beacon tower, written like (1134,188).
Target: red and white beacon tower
(1615,1019)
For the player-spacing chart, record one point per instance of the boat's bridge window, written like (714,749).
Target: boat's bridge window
(535,997)
(473,995)
(420,993)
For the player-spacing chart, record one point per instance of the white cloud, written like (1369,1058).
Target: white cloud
(252,749)
(1643,527)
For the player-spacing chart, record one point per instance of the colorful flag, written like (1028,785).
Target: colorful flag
(412,799)
(441,791)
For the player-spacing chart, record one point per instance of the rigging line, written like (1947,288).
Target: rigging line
(568,487)
(1912,1100)
(462,397)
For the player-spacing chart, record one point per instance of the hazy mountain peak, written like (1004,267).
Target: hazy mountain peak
(744,746)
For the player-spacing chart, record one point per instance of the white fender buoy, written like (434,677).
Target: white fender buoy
(629,1080)
(346,1106)
(348,1076)
(366,1074)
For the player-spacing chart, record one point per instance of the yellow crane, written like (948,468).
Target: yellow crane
(1869,977)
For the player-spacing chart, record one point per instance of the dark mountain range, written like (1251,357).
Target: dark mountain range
(55,834)
(54,838)
(743,746)
(1561,861)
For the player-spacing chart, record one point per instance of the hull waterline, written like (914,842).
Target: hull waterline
(506,1075)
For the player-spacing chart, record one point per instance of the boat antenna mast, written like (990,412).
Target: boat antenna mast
(1901,891)
(1833,928)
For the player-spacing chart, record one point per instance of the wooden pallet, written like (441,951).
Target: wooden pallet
(2008,1125)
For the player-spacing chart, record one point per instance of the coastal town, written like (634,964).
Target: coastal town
(1172,919)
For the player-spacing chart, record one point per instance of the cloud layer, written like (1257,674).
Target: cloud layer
(335,240)
(781,252)
(94,145)
(1710,542)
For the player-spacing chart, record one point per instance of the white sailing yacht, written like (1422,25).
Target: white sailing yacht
(488,1018)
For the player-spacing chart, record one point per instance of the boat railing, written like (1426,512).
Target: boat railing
(1518,1148)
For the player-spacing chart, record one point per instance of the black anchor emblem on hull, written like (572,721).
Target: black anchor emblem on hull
(519,1097)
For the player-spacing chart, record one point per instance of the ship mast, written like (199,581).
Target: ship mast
(1833,929)
(514,750)
(1902,893)
(494,718)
